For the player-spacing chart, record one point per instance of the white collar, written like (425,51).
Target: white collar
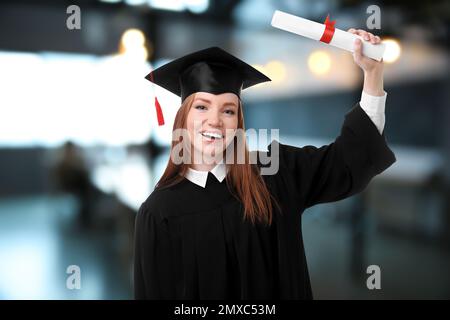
(200,177)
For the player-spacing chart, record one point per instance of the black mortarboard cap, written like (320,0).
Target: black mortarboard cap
(210,70)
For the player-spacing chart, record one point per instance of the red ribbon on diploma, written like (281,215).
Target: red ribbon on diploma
(328,33)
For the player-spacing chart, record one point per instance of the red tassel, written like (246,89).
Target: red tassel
(159,112)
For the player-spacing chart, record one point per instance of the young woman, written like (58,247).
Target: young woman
(220,229)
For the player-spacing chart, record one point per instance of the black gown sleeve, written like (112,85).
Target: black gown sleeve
(152,263)
(341,169)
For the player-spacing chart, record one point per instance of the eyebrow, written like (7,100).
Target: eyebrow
(225,104)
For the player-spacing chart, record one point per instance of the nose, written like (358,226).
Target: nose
(214,119)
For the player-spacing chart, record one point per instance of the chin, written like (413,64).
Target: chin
(209,151)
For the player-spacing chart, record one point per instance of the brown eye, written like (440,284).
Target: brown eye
(200,107)
(230,112)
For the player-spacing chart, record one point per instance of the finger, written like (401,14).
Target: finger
(352,30)
(372,38)
(377,39)
(364,34)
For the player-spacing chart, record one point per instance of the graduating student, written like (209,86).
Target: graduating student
(226,231)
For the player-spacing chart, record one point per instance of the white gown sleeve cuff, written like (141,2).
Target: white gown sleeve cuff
(374,107)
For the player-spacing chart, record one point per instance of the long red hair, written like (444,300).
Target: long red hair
(243,180)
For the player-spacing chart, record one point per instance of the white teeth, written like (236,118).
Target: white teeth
(212,135)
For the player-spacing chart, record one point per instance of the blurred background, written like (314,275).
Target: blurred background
(80,148)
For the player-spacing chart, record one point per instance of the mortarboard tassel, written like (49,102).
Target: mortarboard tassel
(159,112)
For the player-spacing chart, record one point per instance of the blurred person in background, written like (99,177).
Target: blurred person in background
(71,175)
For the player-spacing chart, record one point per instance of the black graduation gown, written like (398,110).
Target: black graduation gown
(192,242)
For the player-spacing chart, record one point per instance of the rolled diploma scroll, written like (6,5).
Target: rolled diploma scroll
(313,30)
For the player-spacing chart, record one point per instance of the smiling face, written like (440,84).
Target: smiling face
(212,122)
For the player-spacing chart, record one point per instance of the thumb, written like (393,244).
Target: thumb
(358,49)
